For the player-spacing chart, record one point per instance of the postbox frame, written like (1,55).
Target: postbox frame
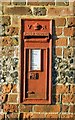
(23,66)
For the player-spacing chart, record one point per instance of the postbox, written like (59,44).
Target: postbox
(36,61)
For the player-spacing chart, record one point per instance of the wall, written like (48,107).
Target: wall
(63,71)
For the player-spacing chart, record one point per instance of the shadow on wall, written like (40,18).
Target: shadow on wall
(54,72)
(54,37)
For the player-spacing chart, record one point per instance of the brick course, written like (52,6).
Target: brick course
(47,108)
(61,42)
(53,116)
(71,22)
(70,98)
(12,98)
(17,10)
(65,11)
(68,52)
(6,88)
(10,108)
(65,108)
(27,108)
(58,51)
(69,31)
(60,22)
(58,31)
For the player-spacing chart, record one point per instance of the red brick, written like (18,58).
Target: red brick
(10,108)
(6,88)
(68,52)
(26,115)
(14,88)
(12,116)
(2,116)
(58,31)
(61,42)
(12,98)
(0,107)
(72,108)
(40,2)
(60,22)
(0,41)
(16,2)
(17,10)
(65,108)
(61,89)
(61,11)
(72,3)
(70,98)
(72,42)
(32,115)
(66,98)
(15,20)
(47,108)
(58,51)
(12,31)
(71,22)
(7,41)
(4,2)
(69,31)
(37,115)
(5,20)
(72,89)
(16,54)
(4,97)
(8,51)
(62,3)
(73,116)
(25,108)
(67,116)
(39,108)
(0,88)
(54,116)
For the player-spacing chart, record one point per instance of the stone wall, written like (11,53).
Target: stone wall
(63,71)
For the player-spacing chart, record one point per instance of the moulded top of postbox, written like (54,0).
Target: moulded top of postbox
(37,26)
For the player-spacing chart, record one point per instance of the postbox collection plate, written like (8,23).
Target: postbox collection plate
(36,61)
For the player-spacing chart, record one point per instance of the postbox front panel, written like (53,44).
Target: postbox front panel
(36,61)
(36,73)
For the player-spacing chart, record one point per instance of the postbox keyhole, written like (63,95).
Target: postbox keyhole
(37,75)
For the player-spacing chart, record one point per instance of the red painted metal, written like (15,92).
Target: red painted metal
(36,84)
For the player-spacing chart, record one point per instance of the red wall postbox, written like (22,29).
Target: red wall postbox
(36,61)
